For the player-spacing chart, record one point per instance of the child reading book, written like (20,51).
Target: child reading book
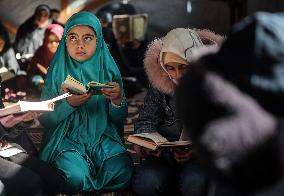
(83,134)
(20,172)
(167,171)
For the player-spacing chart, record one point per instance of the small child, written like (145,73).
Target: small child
(83,134)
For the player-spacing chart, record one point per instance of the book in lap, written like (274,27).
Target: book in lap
(154,140)
(130,27)
(31,106)
(76,87)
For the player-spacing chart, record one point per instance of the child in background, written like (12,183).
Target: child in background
(37,69)
(83,134)
(168,172)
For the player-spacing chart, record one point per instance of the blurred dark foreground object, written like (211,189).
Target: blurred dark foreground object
(232,105)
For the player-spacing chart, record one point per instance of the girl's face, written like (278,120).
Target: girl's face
(81,43)
(52,42)
(176,70)
(41,18)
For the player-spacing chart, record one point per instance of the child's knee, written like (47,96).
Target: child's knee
(122,171)
(75,180)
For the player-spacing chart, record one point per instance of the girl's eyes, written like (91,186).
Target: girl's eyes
(88,39)
(169,68)
(73,38)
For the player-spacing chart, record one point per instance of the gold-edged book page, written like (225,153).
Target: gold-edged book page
(141,141)
(73,85)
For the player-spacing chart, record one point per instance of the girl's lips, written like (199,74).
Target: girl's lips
(80,53)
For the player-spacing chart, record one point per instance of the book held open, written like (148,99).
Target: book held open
(32,106)
(130,27)
(76,87)
(154,140)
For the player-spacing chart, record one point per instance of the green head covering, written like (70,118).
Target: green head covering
(100,67)
(86,123)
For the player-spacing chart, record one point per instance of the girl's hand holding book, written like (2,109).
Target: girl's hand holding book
(77,100)
(113,94)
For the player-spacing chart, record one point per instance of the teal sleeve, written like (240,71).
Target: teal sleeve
(62,111)
(118,114)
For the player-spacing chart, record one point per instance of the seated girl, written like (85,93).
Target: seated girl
(37,69)
(175,171)
(83,134)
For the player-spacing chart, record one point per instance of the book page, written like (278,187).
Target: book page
(25,106)
(73,85)
(9,150)
(156,137)
(139,26)
(121,27)
(36,106)
(176,143)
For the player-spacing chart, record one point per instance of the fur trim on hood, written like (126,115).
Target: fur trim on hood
(156,74)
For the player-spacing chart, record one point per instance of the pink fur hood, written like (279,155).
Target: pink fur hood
(153,68)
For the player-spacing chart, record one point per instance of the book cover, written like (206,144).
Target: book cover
(130,27)
(76,87)
(153,141)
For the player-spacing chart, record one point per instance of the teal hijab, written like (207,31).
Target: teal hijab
(87,123)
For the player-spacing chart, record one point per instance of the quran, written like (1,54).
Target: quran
(31,106)
(76,87)
(130,27)
(153,141)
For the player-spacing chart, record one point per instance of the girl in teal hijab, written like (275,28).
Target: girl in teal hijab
(83,135)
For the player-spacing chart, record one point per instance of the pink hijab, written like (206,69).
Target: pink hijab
(45,54)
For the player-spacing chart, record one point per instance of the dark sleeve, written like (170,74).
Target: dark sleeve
(151,114)
(3,131)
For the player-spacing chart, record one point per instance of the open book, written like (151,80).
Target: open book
(32,106)
(5,74)
(153,141)
(9,150)
(130,27)
(76,87)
